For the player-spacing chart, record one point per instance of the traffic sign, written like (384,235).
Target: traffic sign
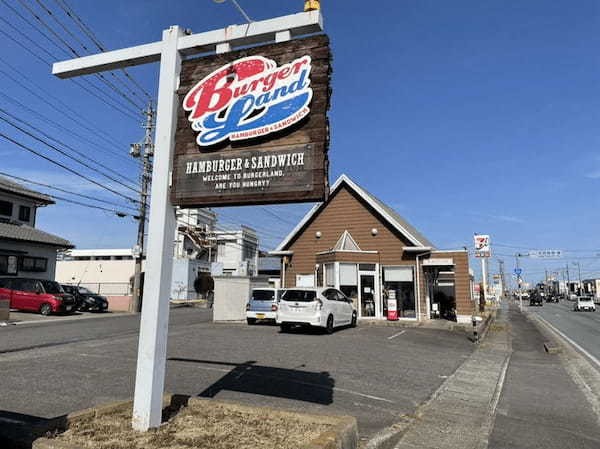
(518,271)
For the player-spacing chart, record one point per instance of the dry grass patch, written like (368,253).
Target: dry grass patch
(200,425)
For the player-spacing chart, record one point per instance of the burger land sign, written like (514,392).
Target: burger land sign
(249,97)
(253,126)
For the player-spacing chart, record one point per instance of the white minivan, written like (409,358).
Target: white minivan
(320,307)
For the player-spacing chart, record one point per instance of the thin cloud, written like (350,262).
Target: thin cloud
(505,218)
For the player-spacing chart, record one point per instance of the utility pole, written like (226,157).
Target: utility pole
(501,266)
(579,289)
(568,283)
(148,152)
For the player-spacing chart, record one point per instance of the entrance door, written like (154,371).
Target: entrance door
(367,295)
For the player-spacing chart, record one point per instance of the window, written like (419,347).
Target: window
(34,264)
(305,280)
(349,281)
(299,295)
(366,267)
(26,285)
(24,213)
(8,264)
(6,208)
(330,275)
(398,283)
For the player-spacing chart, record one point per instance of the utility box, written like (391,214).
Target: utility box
(4,309)
(232,294)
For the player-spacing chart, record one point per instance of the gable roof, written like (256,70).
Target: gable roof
(389,215)
(26,233)
(7,185)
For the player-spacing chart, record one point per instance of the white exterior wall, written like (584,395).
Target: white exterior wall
(230,252)
(95,271)
(33,250)
(19,201)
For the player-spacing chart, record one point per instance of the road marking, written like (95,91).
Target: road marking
(286,379)
(396,335)
(578,347)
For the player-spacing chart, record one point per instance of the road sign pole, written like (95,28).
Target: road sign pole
(484,277)
(154,325)
(518,270)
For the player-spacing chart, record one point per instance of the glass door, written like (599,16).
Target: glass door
(367,295)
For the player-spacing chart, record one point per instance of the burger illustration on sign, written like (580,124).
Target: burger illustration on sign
(249,97)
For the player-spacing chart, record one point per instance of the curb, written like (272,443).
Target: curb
(389,437)
(342,435)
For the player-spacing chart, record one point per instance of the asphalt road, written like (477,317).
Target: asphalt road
(377,374)
(581,327)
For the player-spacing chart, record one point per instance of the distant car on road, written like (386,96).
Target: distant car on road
(263,304)
(584,303)
(536,300)
(86,299)
(552,298)
(320,307)
(37,295)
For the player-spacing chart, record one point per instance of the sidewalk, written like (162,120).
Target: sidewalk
(510,394)
(541,406)
(460,413)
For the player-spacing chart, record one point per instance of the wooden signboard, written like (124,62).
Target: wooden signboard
(252,126)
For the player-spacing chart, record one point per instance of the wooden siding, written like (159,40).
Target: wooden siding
(345,210)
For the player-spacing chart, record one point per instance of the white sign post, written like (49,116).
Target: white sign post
(175,45)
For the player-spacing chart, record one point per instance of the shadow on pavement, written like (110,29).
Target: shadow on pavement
(315,387)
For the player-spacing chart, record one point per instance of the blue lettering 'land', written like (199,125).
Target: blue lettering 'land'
(215,130)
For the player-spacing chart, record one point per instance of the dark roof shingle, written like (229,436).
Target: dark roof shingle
(26,233)
(9,186)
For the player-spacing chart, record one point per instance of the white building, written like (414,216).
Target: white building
(105,271)
(25,250)
(237,252)
(199,247)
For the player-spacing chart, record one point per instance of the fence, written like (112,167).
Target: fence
(108,288)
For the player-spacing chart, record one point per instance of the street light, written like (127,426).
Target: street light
(237,5)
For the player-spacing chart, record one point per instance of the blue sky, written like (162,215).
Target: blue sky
(464,116)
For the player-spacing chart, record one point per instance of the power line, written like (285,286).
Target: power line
(69,47)
(70,170)
(70,148)
(49,145)
(72,116)
(47,119)
(89,33)
(106,100)
(8,175)
(116,212)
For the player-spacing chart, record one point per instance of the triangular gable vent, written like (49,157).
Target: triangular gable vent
(346,243)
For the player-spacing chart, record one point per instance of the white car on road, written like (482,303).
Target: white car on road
(584,303)
(321,307)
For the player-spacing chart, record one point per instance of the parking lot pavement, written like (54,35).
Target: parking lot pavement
(359,372)
(23,317)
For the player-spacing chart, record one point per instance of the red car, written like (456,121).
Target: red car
(36,295)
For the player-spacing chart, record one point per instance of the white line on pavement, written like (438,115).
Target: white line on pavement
(579,348)
(310,384)
(396,335)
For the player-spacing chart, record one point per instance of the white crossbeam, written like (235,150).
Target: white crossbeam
(235,35)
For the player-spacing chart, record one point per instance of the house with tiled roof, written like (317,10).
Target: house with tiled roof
(25,250)
(356,243)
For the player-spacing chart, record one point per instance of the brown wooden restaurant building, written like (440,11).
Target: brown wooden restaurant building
(356,243)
